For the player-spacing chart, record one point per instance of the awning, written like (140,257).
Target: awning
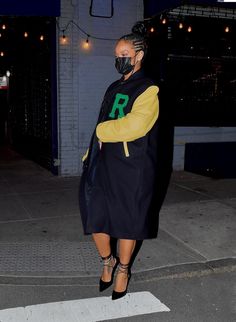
(154,7)
(49,8)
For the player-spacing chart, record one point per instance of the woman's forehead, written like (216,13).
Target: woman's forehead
(124,47)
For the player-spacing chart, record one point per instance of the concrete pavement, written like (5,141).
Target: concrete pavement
(41,232)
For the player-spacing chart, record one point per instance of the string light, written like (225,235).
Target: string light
(86,43)
(227,29)
(64,38)
(164,21)
(163,18)
(71,22)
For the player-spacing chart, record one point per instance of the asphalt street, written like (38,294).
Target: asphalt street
(198,296)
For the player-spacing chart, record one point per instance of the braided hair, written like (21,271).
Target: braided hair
(137,37)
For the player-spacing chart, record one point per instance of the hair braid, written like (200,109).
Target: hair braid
(137,37)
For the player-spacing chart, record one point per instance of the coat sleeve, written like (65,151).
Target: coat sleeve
(135,124)
(85,155)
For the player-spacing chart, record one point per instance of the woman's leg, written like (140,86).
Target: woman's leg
(103,245)
(126,248)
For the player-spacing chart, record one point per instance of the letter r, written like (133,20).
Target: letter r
(121,101)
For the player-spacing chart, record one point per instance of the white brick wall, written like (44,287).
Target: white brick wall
(67,95)
(83,75)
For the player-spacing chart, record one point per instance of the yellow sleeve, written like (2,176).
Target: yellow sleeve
(85,156)
(135,124)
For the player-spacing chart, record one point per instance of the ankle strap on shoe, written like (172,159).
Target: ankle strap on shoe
(107,260)
(107,257)
(123,268)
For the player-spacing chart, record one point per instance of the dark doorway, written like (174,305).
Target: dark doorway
(28,53)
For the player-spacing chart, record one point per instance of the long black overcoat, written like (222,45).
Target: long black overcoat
(118,195)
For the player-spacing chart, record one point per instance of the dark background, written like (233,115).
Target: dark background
(195,70)
(28,107)
(154,7)
(30,7)
(196,73)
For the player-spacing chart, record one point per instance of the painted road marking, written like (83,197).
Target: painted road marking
(86,310)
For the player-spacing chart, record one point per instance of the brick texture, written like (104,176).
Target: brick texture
(84,74)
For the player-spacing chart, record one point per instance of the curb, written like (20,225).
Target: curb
(169,272)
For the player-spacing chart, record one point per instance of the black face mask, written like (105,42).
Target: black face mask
(123,65)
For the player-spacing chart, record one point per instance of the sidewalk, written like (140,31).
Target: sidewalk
(41,234)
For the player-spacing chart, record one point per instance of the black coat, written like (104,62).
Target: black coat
(119,184)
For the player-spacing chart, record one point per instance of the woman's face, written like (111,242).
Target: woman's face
(125,48)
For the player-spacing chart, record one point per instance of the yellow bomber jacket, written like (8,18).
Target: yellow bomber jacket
(129,122)
(133,125)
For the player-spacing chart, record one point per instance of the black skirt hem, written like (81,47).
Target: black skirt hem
(124,236)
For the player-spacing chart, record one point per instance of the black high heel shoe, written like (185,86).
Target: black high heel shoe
(107,262)
(125,269)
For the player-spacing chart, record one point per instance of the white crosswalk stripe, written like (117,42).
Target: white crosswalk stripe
(86,310)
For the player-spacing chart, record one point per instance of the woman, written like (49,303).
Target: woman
(117,189)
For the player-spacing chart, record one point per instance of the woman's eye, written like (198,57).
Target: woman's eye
(122,55)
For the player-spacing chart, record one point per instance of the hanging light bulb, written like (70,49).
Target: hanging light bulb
(189,29)
(0,35)
(226,29)
(163,18)
(86,43)
(64,38)
(152,29)
(26,34)
(181,25)
(3,27)
(164,21)
(2,54)
(42,38)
